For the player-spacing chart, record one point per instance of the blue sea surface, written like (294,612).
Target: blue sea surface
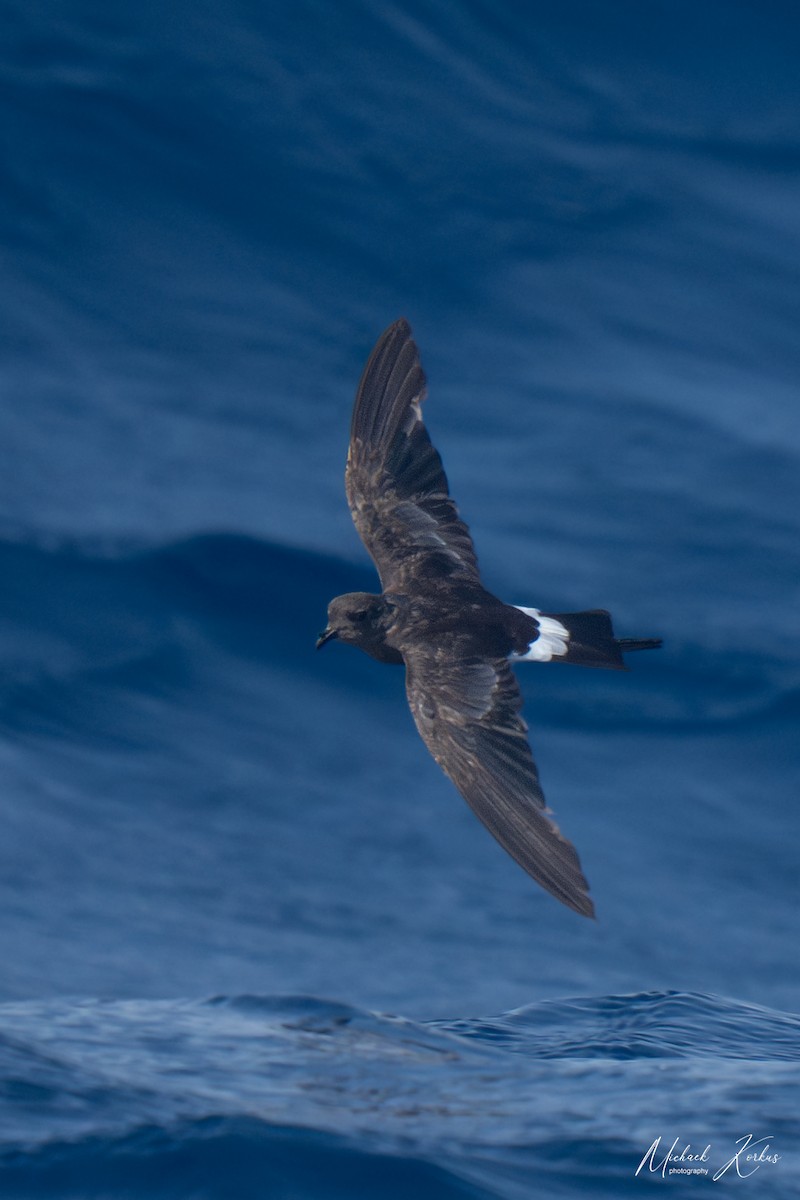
(253,944)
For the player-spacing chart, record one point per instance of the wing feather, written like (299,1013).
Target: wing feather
(395,483)
(468,714)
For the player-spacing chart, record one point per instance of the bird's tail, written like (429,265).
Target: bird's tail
(628,644)
(585,639)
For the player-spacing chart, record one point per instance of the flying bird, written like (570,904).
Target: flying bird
(456,639)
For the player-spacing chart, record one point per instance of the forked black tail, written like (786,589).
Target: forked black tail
(592,643)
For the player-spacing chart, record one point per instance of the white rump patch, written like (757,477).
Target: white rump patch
(552,641)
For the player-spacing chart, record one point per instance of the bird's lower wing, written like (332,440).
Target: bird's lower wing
(396,486)
(468,714)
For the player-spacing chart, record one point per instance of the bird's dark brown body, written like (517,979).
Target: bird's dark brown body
(464,617)
(453,636)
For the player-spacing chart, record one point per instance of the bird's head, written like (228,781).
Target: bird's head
(361,619)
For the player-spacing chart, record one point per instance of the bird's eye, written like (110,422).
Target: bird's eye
(361,615)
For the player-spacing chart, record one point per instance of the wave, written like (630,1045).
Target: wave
(299,1096)
(228,1157)
(652,1024)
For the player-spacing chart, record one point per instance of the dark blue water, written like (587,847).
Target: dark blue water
(251,941)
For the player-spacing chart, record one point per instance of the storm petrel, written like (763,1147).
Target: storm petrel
(456,639)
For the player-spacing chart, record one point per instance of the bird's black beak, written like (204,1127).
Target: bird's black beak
(326,636)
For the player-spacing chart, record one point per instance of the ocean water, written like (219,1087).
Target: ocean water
(252,943)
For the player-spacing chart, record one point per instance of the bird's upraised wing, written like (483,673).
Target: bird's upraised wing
(468,713)
(396,486)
